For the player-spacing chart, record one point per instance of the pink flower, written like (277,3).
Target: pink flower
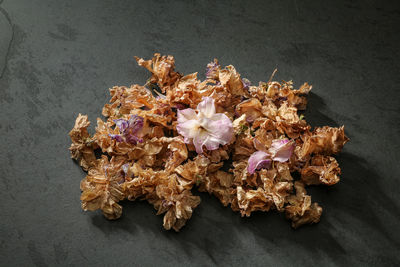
(204,127)
(258,160)
(281,150)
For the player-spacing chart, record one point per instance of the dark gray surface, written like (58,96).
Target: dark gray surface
(60,57)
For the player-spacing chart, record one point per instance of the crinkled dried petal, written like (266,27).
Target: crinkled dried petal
(82,144)
(325,140)
(263,138)
(275,187)
(288,113)
(162,68)
(217,155)
(292,130)
(240,172)
(187,91)
(269,109)
(194,170)
(322,170)
(178,153)
(284,171)
(300,210)
(178,202)
(273,89)
(243,147)
(252,200)
(219,184)
(251,107)
(101,187)
(231,79)
(297,98)
(258,92)
(240,124)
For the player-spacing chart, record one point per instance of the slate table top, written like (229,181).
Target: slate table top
(58,59)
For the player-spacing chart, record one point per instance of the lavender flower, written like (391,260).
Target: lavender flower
(246,83)
(128,130)
(212,68)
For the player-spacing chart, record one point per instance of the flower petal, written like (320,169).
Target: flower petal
(212,143)
(207,107)
(258,160)
(116,137)
(135,124)
(281,149)
(258,145)
(219,127)
(188,128)
(199,140)
(212,70)
(264,164)
(125,168)
(130,138)
(121,124)
(186,114)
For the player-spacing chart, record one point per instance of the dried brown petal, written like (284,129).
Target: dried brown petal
(300,210)
(251,107)
(195,170)
(101,188)
(162,69)
(231,79)
(178,202)
(250,200)
(326,140)
(219,184)
(322,170)
(82,144)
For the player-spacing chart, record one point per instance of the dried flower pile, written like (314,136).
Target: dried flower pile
(239,142)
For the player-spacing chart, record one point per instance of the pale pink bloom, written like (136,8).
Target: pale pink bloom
(281,150)
(204,127)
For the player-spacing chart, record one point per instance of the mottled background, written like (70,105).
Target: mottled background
(58,58)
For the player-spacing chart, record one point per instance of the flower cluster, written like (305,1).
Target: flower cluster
(242,143)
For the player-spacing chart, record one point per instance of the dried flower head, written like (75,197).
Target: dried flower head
(128,130)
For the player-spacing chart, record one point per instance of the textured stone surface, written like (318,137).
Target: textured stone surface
(59,58)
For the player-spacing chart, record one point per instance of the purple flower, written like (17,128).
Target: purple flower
(281,150)
(121,124)
(116,137)
(246,83)
(128,130)
(212,69)
(206,127)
